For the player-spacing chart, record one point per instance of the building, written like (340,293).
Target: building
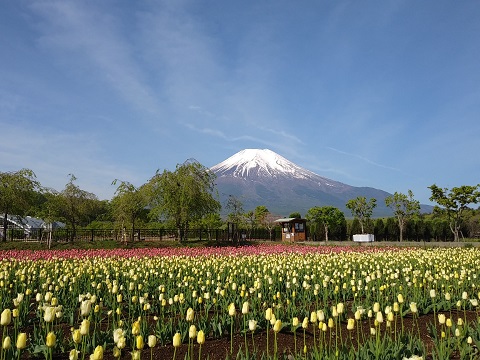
(293,229)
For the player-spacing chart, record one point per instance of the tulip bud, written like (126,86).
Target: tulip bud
(379,317)
(6,317)
(177,340)
(201,337)
(313,317)
(400,298)
(231,310)
(252,325)
(116,352)
(7,343)
(22,341)
(350,324)
(441,319)
(433,293)
(340,308)
(278,326)
(245,308)
(190,315)
(152,341)
(268,314)
(295,322)
(51,339)
(76,336)
(139,342)
(192,332)
(320,315)
(85,327)
(330,323)
(448,322)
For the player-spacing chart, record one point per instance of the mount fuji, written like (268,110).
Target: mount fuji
(262,177)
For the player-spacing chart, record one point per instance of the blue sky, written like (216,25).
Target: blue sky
(370,93)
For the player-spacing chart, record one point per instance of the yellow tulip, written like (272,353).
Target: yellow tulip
(6,317)
(139,342)
(192,332)
(98,353)
(152,341)
(73,355)
(136,328)
(85,327)
(177,340)
(22,341)
(278,326)
(201,337)
(190,315)
(245,308)
(231,309)
(7,343)
(116,352)
(51,339)
(268,314)
(351,324)
(295,322)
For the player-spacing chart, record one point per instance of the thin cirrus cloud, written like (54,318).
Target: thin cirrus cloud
(92,36)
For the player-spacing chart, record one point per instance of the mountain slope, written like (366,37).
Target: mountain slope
(262,177)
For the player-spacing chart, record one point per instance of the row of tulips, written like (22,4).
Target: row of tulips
(112,303)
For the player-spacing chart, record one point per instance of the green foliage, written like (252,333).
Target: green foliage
(72,205)
(128,205)
(404,207)
(454,202)
(17,194)
(362,209)
(183,196)
(327,216)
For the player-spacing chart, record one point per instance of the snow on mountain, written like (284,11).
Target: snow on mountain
(262,177)
(256,163)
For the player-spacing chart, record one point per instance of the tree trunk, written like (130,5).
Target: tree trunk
(326,233)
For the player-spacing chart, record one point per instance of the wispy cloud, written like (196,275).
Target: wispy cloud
(94,37)
(364,159)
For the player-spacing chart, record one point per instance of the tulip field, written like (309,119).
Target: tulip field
(249,302)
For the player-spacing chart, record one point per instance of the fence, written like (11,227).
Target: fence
(61,235)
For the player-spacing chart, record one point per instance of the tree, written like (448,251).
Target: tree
(362,209)
(128,204)
(211,222)
(184,195)
(295,215)
(454,202)
(235,215)
(404,207)
(379,230)
(73,205)
(17,193)
(326,216)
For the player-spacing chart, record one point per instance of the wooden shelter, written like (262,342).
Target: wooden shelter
(293,229)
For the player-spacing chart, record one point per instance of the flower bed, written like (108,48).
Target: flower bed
(253,301)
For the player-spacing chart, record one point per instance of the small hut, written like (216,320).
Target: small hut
(293,229)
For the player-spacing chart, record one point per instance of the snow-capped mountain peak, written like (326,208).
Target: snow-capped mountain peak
(259,163)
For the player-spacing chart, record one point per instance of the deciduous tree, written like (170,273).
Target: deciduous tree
(362,209)
(73,205)
(17,194)
(404,207)
(184,195)
(454,202)
(128,204)
(326,216)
